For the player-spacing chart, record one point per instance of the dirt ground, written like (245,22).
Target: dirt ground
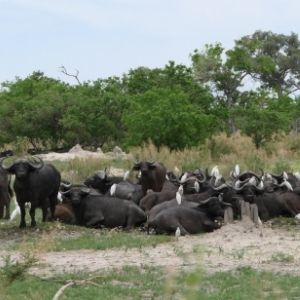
(232,246)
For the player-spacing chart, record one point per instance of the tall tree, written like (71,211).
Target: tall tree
(211,68)
(273,60)
(166,117)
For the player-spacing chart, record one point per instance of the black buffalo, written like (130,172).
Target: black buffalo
(101,181)
(127,191)
(37,183)
(189,220)
(153,175)
(5,194)
(95,210)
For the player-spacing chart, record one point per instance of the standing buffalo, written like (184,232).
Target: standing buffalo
(153,175)
(35,182)
(5,193)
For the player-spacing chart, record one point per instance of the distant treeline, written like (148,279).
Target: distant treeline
(178,106)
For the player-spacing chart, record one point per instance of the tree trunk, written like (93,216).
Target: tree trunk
(231,126)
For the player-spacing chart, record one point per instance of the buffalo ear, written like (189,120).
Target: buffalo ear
(11,169)
(136,167)
(151,165)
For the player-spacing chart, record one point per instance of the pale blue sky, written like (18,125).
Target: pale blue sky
(101,38)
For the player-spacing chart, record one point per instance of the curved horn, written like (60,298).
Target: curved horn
(66,185)
(2,165)
(221,187)
(65,192)
(277,177)
(226,203)
(241,187)
(286,184)
(240,183)
(207,200)
(249,173)
(36,162)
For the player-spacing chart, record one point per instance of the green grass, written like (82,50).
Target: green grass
(242,284)
(282,257)
(128,283)
(60,237)
(156,283)
(108,240)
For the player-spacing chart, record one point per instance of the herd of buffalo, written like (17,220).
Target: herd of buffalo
(157,200)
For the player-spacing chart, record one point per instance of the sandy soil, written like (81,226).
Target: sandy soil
(232,246)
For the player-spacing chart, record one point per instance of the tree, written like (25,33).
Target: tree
(260,116)
(32,108)
(95,113)
(209,68)
(273,60)
(166,117)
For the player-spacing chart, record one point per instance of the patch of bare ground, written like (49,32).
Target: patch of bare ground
(233,246)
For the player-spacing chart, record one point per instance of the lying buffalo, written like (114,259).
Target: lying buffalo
(95,210)
(127,190)
(189,220)
(101,181)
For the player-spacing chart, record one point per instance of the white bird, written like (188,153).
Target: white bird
(297,175)
(178,198)
(237,170)
(125,177)
(287,185)
(177,232)
(215,171)
(184,177)
(113,189)
(176,171)
(197,186)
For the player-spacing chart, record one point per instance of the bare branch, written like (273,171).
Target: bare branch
(64,71)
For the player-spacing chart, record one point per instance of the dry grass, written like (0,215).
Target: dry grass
(283,152)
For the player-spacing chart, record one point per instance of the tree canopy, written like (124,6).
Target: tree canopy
(253,87)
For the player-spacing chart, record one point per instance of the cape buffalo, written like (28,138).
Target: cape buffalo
(5,194)
(153,175)
(35,182)
(94,210)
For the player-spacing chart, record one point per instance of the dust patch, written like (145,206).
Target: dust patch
(235,245)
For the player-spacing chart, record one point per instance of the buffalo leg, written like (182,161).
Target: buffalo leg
(22,210)
(95,221)
(7,211)
(164,225)
(45,213)
(1,210)
(7,207)
(53,202)
(32,215)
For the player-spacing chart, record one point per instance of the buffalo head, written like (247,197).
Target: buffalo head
(22,167)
